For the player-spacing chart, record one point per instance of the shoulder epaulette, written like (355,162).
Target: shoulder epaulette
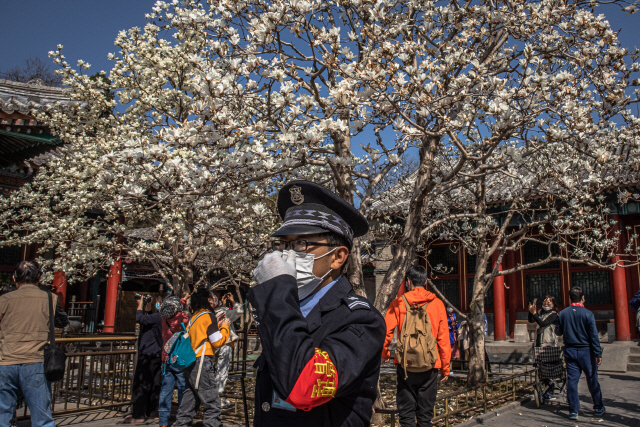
(355,302)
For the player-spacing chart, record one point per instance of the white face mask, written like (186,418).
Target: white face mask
(449,310)
(307,281)
(546,308)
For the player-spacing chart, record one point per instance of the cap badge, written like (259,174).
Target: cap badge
(296,195)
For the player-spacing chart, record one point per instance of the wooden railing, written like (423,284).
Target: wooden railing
(98,374)
(239,364)
(483,397)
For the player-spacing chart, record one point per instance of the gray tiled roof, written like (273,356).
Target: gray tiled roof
(16,97)
(499,187)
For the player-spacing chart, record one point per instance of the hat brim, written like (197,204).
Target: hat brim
(311,193)
(299,229)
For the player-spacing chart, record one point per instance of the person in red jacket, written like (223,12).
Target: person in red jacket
(417,393)
(173,317)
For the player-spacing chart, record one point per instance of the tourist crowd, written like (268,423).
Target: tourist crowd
(25,320)
(212,337)
(322,343)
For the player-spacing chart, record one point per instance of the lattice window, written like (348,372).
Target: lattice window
(595,284)
(541,285)
(10,255)
(472,261)
(534,252)
(450,289)
(488,300)
(443,259)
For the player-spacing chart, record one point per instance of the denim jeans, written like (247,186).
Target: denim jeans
(170,378)
(28,378)
(579,361)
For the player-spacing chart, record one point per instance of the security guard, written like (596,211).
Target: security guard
(321,342)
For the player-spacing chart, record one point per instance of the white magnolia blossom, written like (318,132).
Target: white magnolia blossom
(218,102)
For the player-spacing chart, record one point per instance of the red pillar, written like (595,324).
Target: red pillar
(500,332)
(113,280)
(512,283)
(620,302)
(60,286)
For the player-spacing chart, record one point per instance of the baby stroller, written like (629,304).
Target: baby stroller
(551,373)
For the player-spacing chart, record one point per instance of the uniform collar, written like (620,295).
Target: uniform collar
(307,304)
(328,302)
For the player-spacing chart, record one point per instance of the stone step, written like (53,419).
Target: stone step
(634,358)
(633,367)
(634,350)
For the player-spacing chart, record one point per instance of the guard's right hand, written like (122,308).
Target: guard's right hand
(273,265)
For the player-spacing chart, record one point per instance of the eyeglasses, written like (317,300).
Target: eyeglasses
(296,245)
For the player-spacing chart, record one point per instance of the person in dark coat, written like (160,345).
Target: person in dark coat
(147,378)
(582,352)
(321,342)
(635,305)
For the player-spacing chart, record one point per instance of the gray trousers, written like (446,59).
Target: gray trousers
(222,373)
(207,394)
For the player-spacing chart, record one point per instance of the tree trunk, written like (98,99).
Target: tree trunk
(345,189)
(354,269)
(397,269)
(412,227)
(177,287)
(477,372)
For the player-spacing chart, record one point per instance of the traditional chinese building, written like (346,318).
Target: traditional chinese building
(25,144)
(607,291)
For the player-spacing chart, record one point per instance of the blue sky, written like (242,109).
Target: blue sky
(87,28)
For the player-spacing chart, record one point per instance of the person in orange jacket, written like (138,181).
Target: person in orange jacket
(417,393)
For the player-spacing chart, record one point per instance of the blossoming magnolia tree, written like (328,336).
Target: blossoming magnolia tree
(489,88)
(496,214)
(183,159)
(249,92)
(457,82)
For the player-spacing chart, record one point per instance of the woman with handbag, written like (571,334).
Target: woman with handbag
(546,319)
(201,386)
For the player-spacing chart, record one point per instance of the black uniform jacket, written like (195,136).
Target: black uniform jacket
(326,365)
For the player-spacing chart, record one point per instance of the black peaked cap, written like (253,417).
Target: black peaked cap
(309,208)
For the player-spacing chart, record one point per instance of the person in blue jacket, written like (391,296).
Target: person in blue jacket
(582,352)
(453,333)
(635,305)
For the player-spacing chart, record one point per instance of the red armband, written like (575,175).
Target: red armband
(317,383)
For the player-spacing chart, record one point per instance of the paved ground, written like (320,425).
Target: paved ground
(104,419)
(621,394)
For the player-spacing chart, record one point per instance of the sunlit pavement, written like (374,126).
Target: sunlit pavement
(621,394)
